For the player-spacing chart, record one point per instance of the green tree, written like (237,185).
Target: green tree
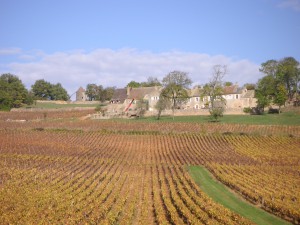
(174,88)
(57,92)
(12,92)
(265,91)
(133,84)
(107,94)
(288,74)
(151,82)
(92,92)
(250,86)
(281,96)
(228,84)
(44,90)
(214,90)
(269,67)
(41,90)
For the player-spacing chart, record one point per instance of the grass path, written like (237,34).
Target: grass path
(221,194)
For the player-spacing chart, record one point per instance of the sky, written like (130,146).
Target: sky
(112,42)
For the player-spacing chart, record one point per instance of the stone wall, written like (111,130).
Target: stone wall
(240,103)
(195,112)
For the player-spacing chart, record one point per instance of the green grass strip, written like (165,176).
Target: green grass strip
(222,194)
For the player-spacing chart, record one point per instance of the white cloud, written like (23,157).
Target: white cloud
(118,67)
(293,4)
(10,51)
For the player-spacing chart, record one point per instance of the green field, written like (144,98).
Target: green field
(42,105)
(286,118)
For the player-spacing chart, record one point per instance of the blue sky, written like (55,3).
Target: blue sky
(113,42)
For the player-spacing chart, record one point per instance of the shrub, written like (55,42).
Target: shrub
(216,113)
(273,111)
(247,110)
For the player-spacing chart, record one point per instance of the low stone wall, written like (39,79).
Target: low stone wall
(195,112)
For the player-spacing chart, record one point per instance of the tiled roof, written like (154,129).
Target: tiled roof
(120,94)
(81,89)
(233,89)
(140,93)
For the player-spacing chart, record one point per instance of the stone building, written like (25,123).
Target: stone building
(81,95)
(149,94)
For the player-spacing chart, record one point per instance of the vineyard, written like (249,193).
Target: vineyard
(85,172)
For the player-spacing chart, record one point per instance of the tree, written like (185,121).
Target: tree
(288,74)
(106,94)
(280,96)
(151,82)
(57,92)
(41,90)
(269,67)
(265,91)
(44,90)
(175,84)
(285,72)
(214,90)
(92,91)
(133,84)
(141,107)
(162,104)
(249,86)
(228,84)
(12,92)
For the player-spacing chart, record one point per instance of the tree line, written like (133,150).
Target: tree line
(13,93)
(279,84)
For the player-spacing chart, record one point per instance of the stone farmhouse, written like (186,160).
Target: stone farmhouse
(236,98)
(126,98)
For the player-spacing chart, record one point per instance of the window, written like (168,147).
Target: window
(197,99)
(237,96)
(196,106)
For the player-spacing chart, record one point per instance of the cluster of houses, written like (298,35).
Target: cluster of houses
(236,97)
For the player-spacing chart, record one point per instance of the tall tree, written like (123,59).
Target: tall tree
(92,91)
(269,67)
(280,96)
(41,90)
(214,91)
(280,74)
(57,92)
(265,91)
(44,90)
(175,84)
(151,82)
(12,92)
(107,93)
(288,74)
(284,71)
